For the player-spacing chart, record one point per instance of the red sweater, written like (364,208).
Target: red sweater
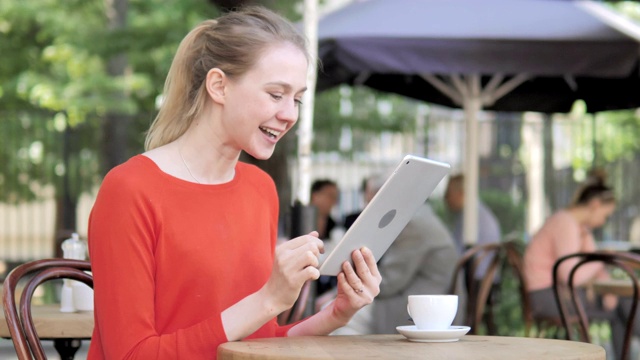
(168,256)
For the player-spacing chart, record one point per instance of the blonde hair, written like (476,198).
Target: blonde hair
(232,43)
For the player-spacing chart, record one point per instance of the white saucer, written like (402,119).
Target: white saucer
(453,333)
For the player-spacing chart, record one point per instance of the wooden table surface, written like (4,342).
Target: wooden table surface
(620,287)
(394,347)
(53,324)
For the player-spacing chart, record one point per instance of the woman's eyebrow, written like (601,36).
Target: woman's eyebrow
(286,86)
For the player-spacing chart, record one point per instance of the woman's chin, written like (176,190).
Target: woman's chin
(261,154)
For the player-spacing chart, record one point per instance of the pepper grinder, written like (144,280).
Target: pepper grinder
(72,248)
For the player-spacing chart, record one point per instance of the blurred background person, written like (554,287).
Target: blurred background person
(570,231)
(489,231)
(420,261)
(367,195)
(324,196)
(488,226)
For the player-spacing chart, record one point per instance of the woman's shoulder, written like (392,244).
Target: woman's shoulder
(562,216)
(253,173)
(134,172)
(560,221)
(135,164)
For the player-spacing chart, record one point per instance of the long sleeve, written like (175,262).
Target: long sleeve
(169,256)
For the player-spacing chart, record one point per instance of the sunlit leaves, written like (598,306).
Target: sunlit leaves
(55,88)
(358,110)
(602,138)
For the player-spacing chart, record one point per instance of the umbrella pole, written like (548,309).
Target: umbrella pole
(305,128)
(472,104)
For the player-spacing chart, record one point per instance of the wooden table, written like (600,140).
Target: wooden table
(65,329)
(620,287)
(394,347)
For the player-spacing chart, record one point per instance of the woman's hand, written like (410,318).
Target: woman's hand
(356,287)
(295,262)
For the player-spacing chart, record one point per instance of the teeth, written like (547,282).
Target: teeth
(270,131)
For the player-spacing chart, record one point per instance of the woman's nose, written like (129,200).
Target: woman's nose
(289,112)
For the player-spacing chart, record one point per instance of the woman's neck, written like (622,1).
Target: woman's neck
(208,159)
(580,213)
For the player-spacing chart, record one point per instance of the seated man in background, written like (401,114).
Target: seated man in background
(488,232)
(420,261)
(488,226)
(324,196)
(367,195)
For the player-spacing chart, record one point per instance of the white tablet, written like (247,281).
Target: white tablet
(408,187)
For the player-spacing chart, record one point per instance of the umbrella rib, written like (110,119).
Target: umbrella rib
(362,77)
(444,88)
(460,85)
(492,85)
(504,89)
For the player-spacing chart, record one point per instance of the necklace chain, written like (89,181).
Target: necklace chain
(187,167)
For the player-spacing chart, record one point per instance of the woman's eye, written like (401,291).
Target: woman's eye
(276,96)
(298,102)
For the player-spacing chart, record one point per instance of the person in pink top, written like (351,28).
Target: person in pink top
(183,237)
(570,231)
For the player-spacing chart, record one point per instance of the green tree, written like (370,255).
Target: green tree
(70,70)
(79,83)
(362,110)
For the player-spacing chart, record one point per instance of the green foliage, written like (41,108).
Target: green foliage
(508,311)
(363,108)
(510,216)
(603,138)
(55,84)
(363,111)
(619,133)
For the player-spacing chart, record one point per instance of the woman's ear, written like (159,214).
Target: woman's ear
(216,84)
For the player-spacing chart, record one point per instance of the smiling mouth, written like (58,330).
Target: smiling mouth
(270,132)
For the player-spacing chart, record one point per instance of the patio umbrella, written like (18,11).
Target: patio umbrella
(510,55)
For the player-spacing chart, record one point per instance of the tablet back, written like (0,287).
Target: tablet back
(408,187)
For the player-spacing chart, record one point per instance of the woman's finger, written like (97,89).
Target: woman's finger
(305,241)
(362,269)
(345,286)
(370,260)
(352,277)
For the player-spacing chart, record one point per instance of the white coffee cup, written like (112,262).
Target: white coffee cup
(82,296)
(432,312)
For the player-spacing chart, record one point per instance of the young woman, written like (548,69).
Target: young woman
(570,231)
(182,238)
(565,232)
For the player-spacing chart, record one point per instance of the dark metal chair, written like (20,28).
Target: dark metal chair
(19,319)
(570,302)
(498,256)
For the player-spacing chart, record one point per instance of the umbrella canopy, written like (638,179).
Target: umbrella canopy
(562,49)
(511,55)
